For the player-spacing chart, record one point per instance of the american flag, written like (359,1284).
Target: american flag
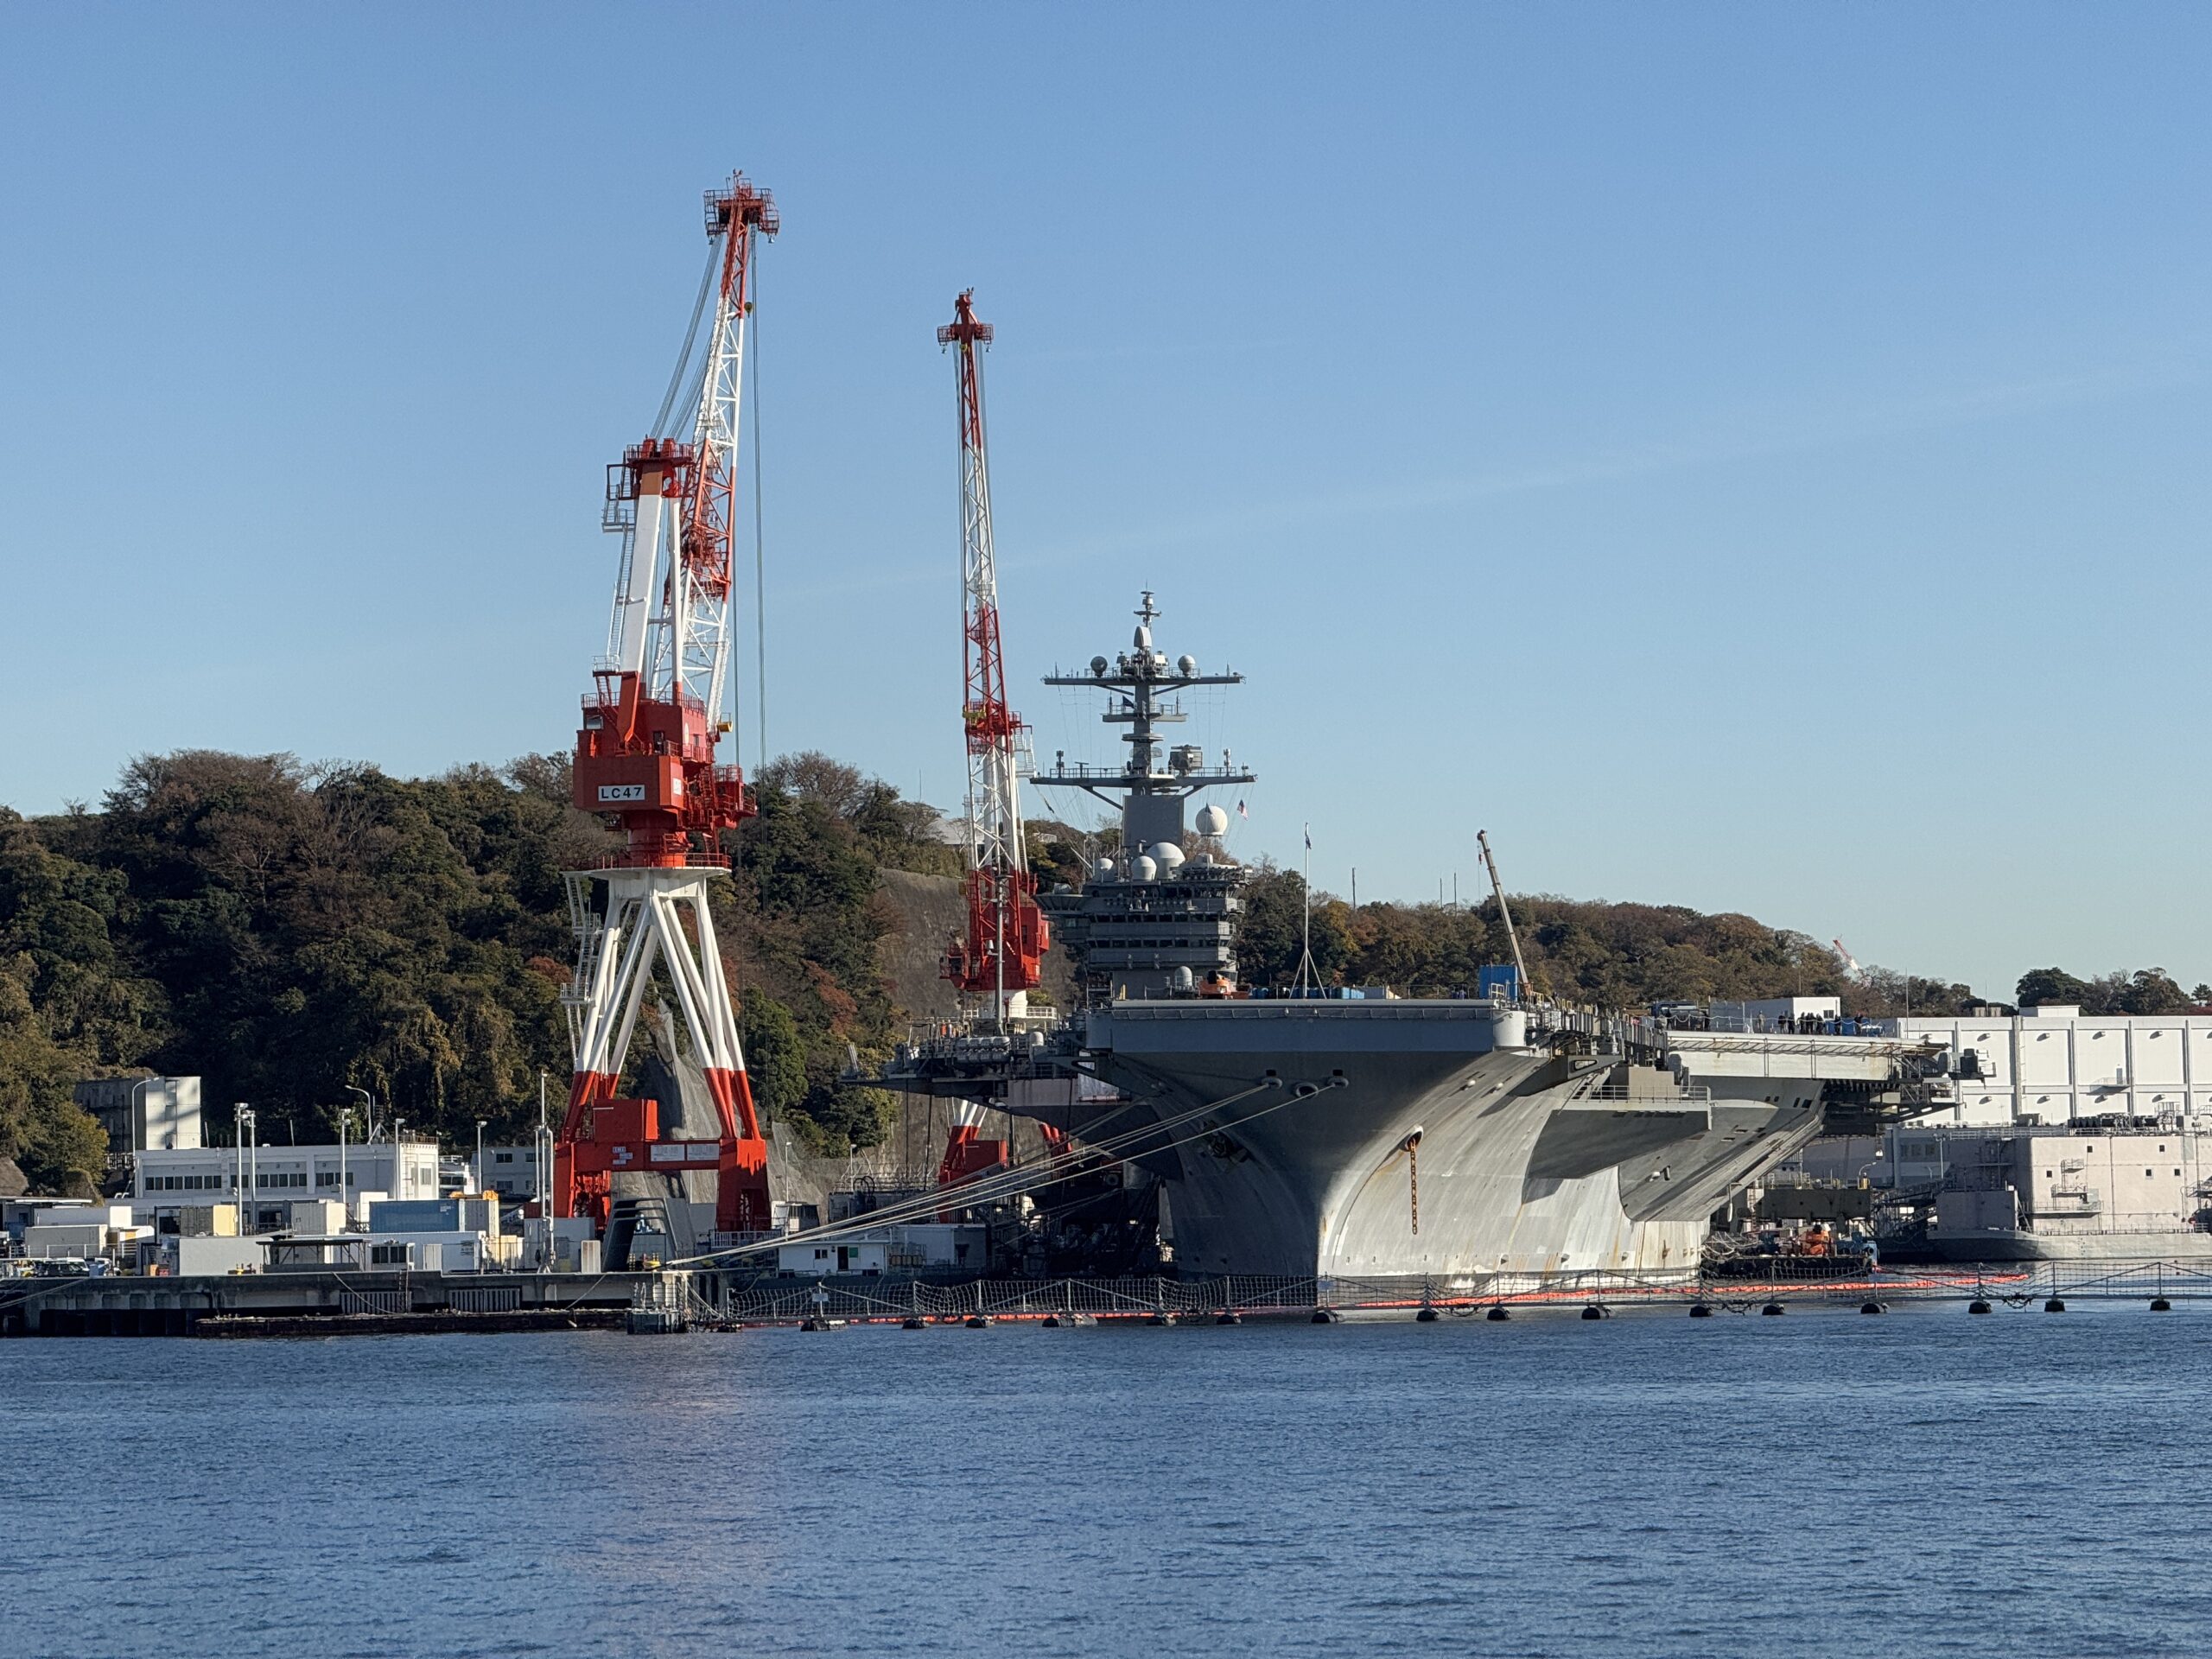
(1241,812)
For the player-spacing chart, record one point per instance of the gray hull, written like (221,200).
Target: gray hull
(1526,1162)
(2013,1244)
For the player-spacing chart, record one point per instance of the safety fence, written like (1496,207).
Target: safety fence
(371,1301)
(727,1298)
(497,1299)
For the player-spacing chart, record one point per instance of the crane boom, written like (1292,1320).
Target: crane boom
(1002,957)
(1000,960)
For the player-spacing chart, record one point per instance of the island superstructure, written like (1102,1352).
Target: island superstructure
(1332,1136)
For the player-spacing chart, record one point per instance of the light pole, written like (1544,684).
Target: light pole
(130,1152)
(541,1154)
(345,1117)
(249,1175)
(479,1155)
(368,1108)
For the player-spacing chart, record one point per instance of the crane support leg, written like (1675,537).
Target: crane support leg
(644,925)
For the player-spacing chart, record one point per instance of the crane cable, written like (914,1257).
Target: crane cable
(759,555)
(1017,1179)
(690,338)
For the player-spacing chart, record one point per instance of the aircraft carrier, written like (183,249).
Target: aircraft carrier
(1332,1135)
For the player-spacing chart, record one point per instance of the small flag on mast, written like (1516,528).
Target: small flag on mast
(1241,812)
(1309,837)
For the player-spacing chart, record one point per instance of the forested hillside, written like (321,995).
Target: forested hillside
(288,932)
(285,932)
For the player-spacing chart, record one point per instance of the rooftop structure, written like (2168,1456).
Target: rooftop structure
(167,1181)
(143,1113)
(2054,1064)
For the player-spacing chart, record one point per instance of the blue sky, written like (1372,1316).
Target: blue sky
(1751,457)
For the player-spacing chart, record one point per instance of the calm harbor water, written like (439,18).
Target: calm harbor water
(1924,1482)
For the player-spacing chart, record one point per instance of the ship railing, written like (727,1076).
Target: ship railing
(1696,1094)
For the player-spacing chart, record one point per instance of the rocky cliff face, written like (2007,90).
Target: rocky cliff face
(931,915)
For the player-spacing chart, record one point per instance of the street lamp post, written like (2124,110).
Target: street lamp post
(248,1171)
(368,1112)
(131,1152)
(479,1155)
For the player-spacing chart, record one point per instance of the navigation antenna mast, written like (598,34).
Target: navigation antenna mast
(645,757)
(1002,959)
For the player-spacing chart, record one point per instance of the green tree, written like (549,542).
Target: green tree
(1270,939)
(2041,985)
(775,1055)
(2150,990)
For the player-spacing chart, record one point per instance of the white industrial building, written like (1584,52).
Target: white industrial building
(167,1181)
(889,1249)
(143,1113)
(2053,1065)
(511,1172)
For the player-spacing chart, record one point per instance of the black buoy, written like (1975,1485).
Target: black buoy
(1324,1316)
(1229,1316)
(1700,1310)
(1870,1307)
(1158,1319)
(1977,1305)
(1593,1312)
(809,1324)
(1428,1316)
(914,1322)
(1772,1307)
(2160,1304)
(1497,1312)
(2056,1305)
(978,1321)
(1051,1322)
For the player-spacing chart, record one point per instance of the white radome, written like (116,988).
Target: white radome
(1213,821)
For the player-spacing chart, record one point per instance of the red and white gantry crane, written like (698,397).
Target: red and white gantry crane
(645,756)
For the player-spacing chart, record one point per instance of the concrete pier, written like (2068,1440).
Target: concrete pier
(132,1306)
